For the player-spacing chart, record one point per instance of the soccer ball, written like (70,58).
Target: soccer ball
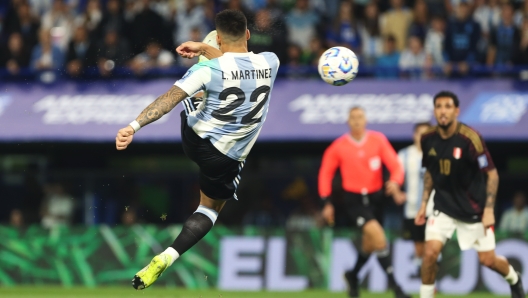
(210,39)
(338,66)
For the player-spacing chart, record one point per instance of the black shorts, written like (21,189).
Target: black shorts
(219,174)
(363,208)
(412,231)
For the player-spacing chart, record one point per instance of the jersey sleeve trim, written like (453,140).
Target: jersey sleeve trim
(474,137)
(194,79)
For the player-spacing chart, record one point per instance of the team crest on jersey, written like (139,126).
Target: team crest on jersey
(432,152)
(457,152)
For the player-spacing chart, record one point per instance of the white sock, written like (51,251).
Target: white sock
(512,277)
(427,291)
(173,253)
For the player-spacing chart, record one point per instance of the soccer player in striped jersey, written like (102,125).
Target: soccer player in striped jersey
(411,159)
(217,132)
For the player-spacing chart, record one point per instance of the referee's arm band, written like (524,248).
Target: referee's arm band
(135,125)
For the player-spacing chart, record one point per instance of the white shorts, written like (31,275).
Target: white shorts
(470,235)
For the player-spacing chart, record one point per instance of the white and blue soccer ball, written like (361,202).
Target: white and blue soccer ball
(338,66)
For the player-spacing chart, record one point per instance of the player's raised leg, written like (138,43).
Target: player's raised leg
(194,229)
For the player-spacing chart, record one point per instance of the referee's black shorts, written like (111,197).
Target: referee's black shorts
(219,174)
(363,208)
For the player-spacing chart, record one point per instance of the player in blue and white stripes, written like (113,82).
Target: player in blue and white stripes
(411,158)
(217,131)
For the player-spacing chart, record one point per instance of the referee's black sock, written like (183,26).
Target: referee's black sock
(362,258)
(385,260)
(194,229)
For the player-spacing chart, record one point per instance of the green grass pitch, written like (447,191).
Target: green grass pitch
(57,292)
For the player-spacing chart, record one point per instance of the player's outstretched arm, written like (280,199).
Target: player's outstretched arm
(161,106)
(488,218)
(191,49)
(428,188)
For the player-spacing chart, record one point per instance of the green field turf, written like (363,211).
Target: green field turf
(49,292)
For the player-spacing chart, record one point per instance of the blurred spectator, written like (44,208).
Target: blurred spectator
(153,57)
(59,21)
(210,14)
(40,7)
(312,56)
(420,22)
(521,14)
(396,22)
(163,8)
(81,53)
(523,59)
(57,208)
(113,51)
(371,40)
(388,62)
(91,17)
(344,31)
(26,24)
(264,215)
(196,35)
(45,55)
(504,40)
(276,11)
(434,41)
(15,56)
(147,26)
(461,40)
(112,19)
(451,5)
(413,58)
(295,61)
(306,216)
(238,5)
(266,37)
(515,220)
(485,15)
(16,219)
(192,16)
(301,22)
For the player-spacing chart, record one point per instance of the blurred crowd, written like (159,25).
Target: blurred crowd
(74,37)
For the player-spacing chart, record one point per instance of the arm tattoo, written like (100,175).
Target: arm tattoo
(161,106)
(428,187)
(491,188)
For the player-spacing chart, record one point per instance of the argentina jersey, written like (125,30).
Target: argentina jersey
(237,90)
(411,158)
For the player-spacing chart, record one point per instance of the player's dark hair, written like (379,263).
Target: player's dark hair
(447,94)
(420,124)
(231,22)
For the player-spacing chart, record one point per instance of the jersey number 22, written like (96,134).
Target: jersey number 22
(220,114)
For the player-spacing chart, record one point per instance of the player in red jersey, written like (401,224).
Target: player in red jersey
(460,169)
(360,155)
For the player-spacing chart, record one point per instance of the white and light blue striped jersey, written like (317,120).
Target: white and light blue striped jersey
(237,90)
(411,158)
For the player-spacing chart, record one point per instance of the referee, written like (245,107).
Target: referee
(360,155)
